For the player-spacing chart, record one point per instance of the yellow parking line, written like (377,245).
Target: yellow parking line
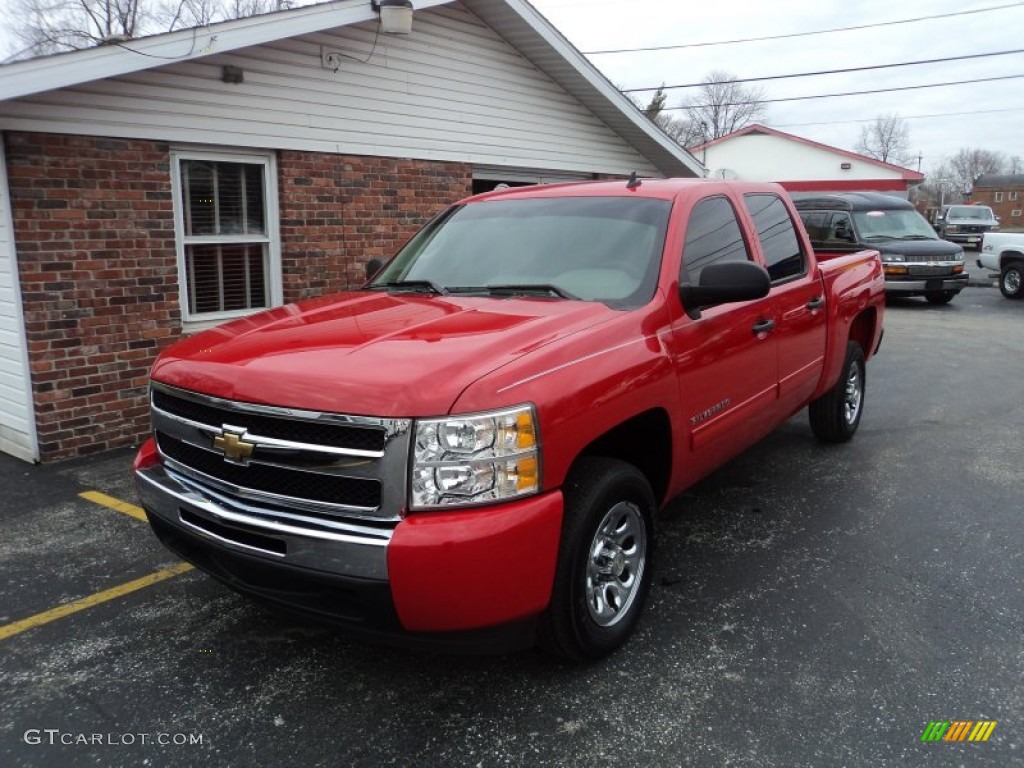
(61,611)
(111,503)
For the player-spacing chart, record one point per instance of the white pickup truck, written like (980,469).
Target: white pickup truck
(1003,252)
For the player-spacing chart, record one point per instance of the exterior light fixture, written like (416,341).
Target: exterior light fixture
(395,16)
(846,166)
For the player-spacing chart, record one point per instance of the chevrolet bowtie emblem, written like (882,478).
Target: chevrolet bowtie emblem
(235,449)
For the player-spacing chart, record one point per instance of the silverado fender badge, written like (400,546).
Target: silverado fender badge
(707,414)
(231,442)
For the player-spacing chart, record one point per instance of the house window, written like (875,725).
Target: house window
(998,197)
(1015,213)
(225,208)
(1012,195)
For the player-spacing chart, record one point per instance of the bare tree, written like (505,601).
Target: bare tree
(1014,165)
(968,164)
(941,185)
(48,26)
(722,106)
(679,130)
(886,139)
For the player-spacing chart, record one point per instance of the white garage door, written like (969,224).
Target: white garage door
(17,420)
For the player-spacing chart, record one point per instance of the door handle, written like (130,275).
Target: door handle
(816,303)
(763,326)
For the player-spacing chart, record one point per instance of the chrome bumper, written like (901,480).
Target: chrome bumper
(954,283)
(338,548)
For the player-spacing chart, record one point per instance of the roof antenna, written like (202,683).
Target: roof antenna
(633,182)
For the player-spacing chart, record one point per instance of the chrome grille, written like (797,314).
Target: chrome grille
(283,460)
(930,271)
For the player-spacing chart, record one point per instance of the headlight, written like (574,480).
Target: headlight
(893,257)
(477,458)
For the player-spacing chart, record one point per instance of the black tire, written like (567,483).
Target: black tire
(940,297)
(1011,280)
(601,585)
(835,415)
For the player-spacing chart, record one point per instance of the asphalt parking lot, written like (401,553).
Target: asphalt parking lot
(812,607)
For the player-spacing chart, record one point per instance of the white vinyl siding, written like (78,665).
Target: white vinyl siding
(225,221)
(17,419)
(453,90)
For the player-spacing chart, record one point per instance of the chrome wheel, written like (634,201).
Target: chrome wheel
(615,564)
(854,394)
(1012,281)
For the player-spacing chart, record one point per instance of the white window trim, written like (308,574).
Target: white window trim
(1013,195)
(192,323)
(998,197)
(1015,213)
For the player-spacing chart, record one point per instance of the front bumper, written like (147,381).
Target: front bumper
(436,578)
(966,238)
(919,285)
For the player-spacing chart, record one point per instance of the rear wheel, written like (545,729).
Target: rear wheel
(604,560)
(940,297)
(835,415)
(1011,280)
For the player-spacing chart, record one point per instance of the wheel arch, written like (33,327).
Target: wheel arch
(1008,257)
(645,441)
(863,330)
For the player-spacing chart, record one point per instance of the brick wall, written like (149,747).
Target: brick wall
(339,212)
(94,230)
(1005,207)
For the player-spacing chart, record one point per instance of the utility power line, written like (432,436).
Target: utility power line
(828,71)
(846,93)
(971,113)
(803,34)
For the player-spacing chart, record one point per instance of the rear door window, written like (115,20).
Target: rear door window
(783,254)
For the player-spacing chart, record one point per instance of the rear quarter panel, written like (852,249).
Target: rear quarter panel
(855,291)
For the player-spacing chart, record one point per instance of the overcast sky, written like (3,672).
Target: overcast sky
(991,115)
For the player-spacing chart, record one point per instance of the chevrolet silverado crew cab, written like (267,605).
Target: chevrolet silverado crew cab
(1003,252)
(916,262)
(965,224)
(471,449)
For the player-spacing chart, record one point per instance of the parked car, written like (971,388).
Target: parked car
(965,224)
(1003,252)
(916,261)
(471,449)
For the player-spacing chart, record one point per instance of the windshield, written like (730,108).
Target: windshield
(896,224)
(979,212)
(604,249)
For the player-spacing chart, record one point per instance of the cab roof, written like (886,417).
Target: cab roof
(659,189)
(850,201)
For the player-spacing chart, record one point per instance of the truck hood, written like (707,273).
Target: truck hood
(925,250)
(370,353)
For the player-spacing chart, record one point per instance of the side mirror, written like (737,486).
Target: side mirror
(724,283)
(373,266)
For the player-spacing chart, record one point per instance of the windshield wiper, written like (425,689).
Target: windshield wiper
(915,237)
(516,290)
(879,237)
(412,285)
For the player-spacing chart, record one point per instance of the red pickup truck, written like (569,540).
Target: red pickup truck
(471,449)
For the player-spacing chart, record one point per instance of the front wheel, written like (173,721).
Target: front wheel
(940,297)
(835,415)
(604,559)
(1011,280)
